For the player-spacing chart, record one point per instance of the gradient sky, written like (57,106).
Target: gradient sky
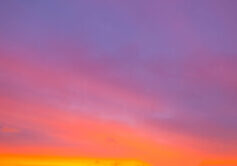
(151,80)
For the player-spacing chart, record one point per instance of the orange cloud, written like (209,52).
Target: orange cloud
(6,129)
(219,162)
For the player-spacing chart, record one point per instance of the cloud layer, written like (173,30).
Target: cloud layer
(152,80)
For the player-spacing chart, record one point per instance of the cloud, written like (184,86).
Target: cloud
(6,129)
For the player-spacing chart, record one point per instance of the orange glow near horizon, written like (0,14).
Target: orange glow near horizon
(57,161)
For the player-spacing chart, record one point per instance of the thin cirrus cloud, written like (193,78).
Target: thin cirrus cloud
(151,80)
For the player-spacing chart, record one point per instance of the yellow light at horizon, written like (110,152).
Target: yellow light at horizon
(47,161)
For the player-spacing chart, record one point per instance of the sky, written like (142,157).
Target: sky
(147,80)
